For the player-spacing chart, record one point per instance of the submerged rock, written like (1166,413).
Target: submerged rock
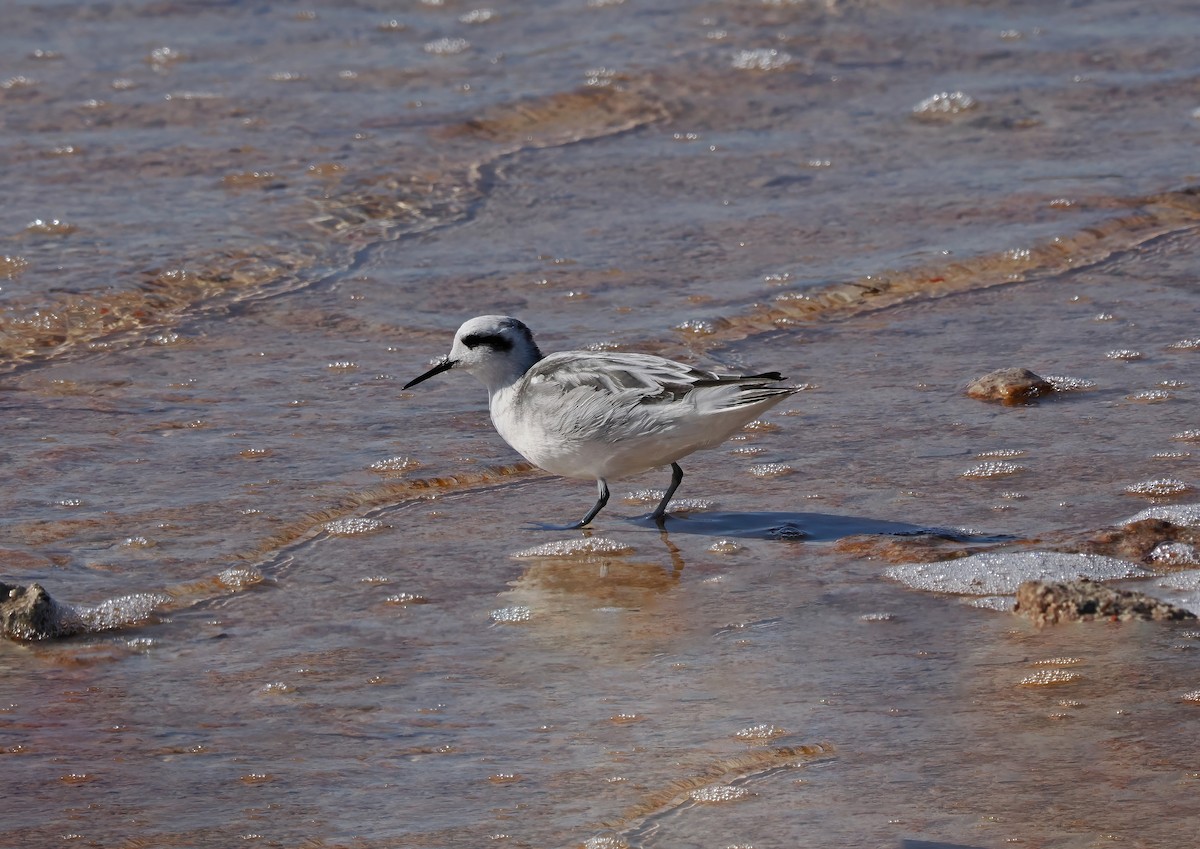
(1011,386)
(1138,540)
(1051,602)
(29,613)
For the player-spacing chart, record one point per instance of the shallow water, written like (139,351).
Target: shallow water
(269,218)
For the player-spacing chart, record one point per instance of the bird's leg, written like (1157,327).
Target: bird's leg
(602,490)
(676,478)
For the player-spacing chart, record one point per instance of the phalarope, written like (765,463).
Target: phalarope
(598,415)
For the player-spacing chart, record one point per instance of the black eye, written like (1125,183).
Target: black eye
(493,340)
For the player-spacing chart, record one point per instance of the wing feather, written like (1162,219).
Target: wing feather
(654,379)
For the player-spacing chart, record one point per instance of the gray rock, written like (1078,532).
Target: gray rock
(29,613)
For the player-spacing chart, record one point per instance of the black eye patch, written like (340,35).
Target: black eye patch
(493,340)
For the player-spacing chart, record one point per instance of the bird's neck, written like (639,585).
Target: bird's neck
(504,374)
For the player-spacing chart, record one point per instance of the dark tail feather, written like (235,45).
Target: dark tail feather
(723,379)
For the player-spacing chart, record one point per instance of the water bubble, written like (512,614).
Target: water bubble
(342,365)
(1002,452)
(1158,488)
(447,46)
(76,778)
(770,470)
(162,57)
(1187,436)
(247,180)
(392,25)
(626,718)
(352,526)
(477,16)
(1123,354)
(256,778)
(761,59)
(996,469)
(1150,396)
(998,603)
(599,77)
(1062,383)
(11,266)
(1194,695)
(276,688)
(697,327)
(404,599)
(725,546)
(49,227)
(944,103)
(1186,345)
(512,615)
(760,426)
(605,842)
(394,464)
(1049,678)
(286,77)
(719,793)
(1184,515)
(760,733)
(1175,554)
(581,547)
(239,577)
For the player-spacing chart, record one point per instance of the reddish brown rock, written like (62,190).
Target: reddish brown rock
(1051,602)
(1011,386)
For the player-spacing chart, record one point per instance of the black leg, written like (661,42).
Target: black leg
(602,488)
(676,479)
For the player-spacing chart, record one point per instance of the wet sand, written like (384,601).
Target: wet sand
(269,220)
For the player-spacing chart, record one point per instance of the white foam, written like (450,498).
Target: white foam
(1184,515)
(1175,554)
(119,612)
(1001,572)
(581,547)
(353,526)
